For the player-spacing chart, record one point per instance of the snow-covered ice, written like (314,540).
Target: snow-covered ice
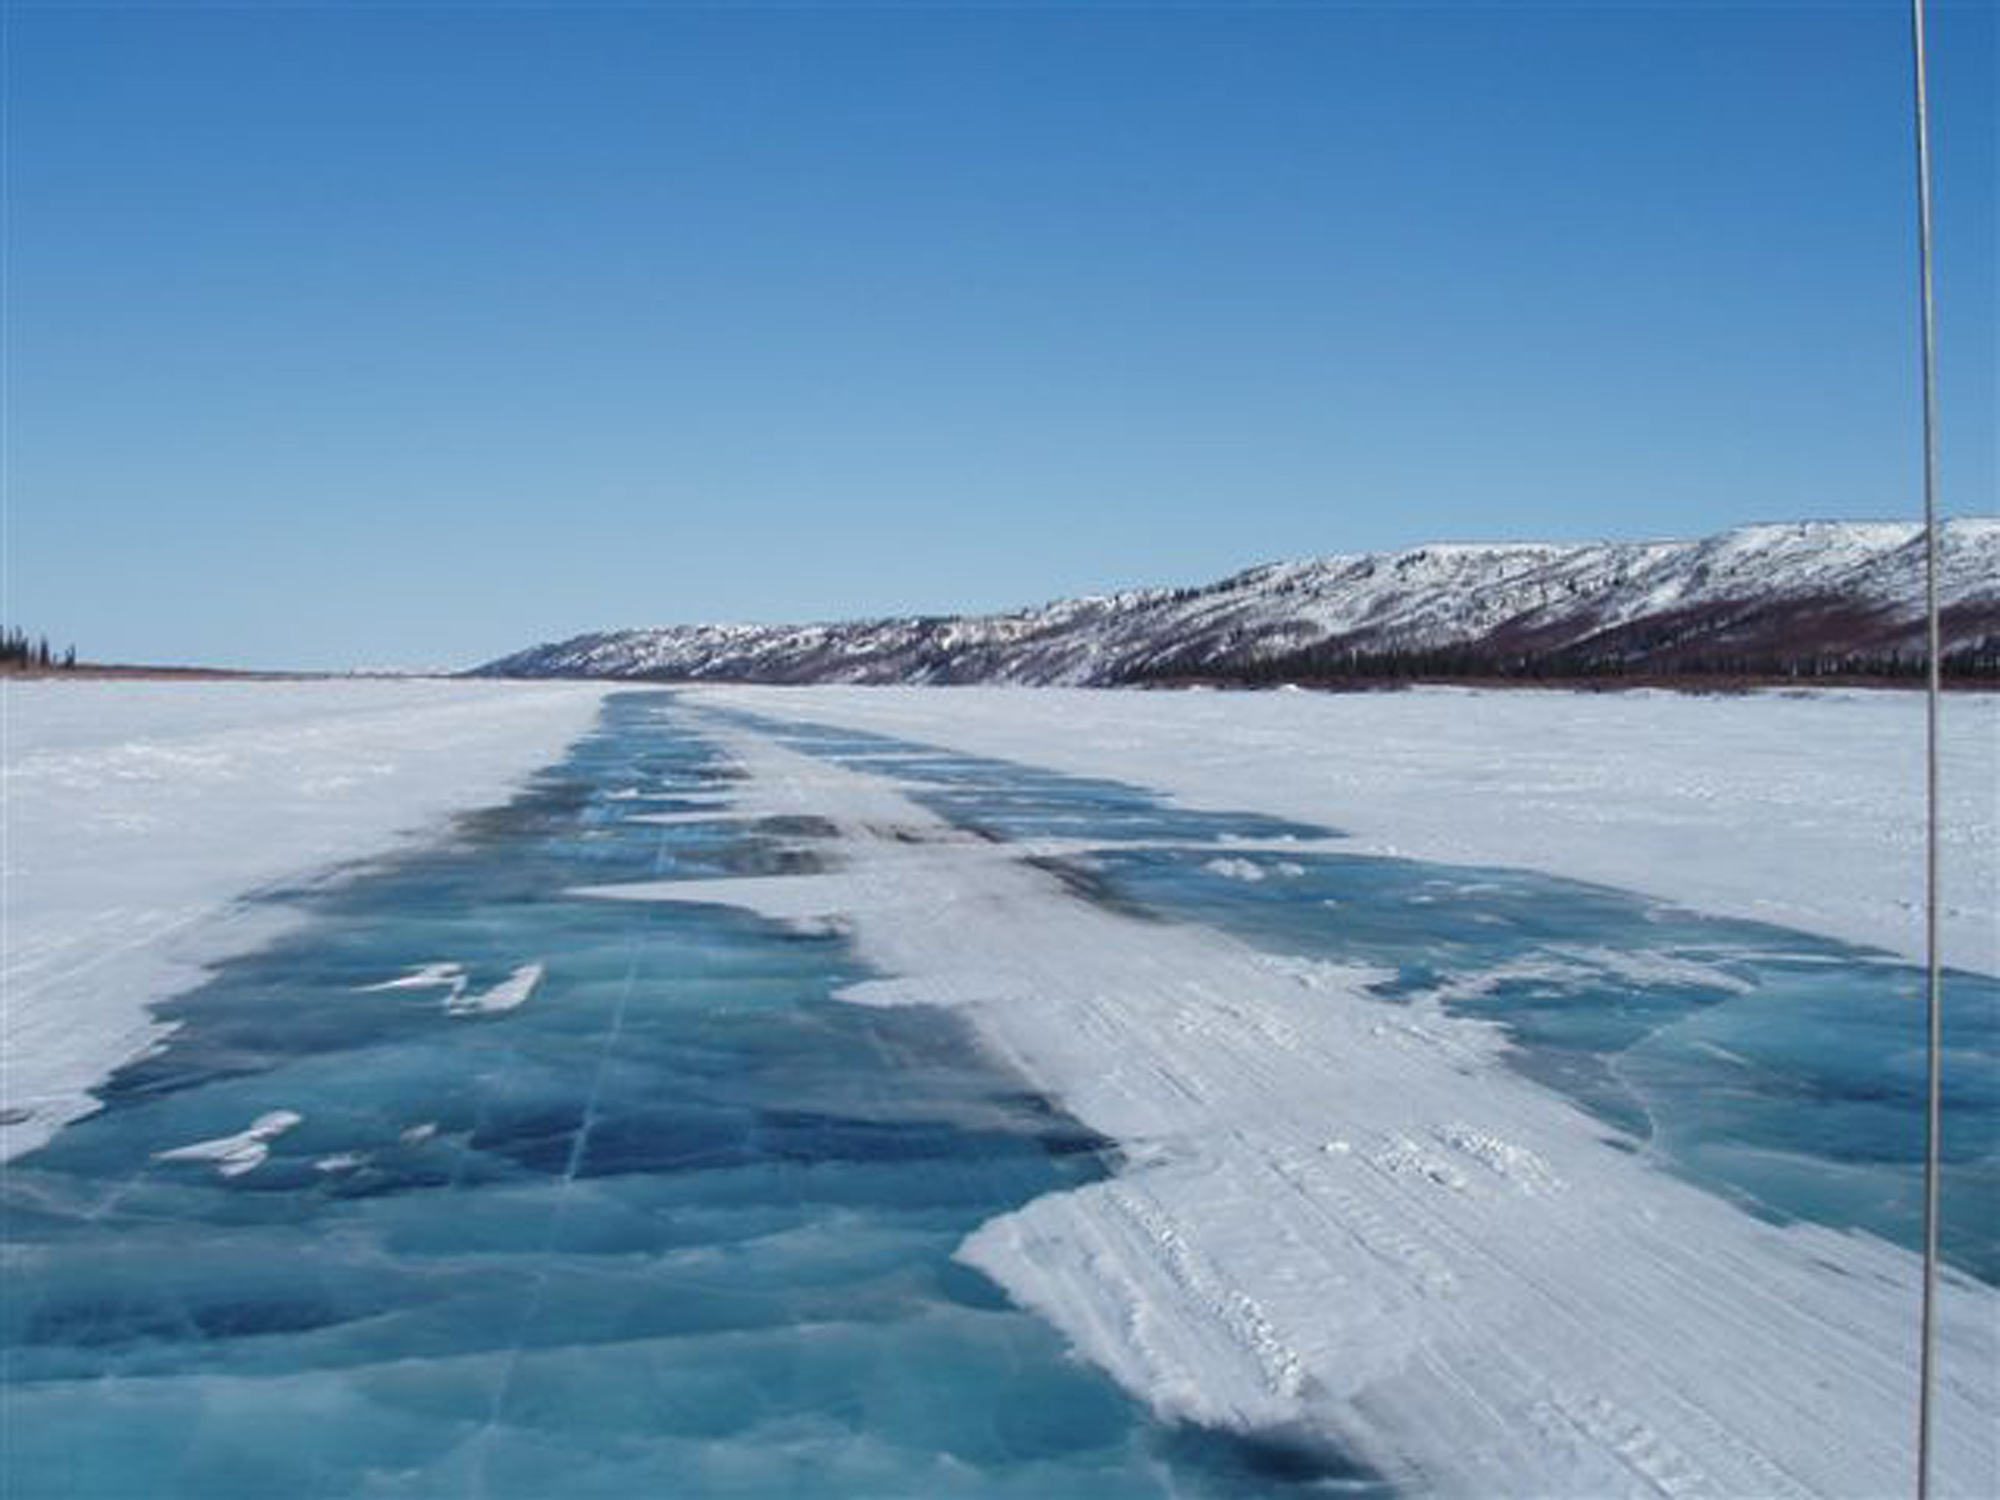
(135,813)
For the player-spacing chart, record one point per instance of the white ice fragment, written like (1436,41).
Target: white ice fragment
(245,1151)
(425,977)
(1235,869)
(340,1161)
(418,1134)
(509,994)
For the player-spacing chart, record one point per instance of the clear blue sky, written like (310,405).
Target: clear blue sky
(399,333)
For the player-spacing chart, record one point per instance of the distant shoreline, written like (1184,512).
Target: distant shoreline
(101,671)
(1694,684)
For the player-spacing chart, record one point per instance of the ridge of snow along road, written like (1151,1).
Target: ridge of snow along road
(137,814)
(1336,1224)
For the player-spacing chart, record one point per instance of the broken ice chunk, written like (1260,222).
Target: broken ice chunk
(233,1155)
(509,993)
(425,977)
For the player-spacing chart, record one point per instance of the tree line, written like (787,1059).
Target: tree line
(17,650)
(1328,665)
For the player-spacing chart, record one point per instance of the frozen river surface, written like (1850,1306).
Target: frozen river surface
(472,1186)
(477,1183)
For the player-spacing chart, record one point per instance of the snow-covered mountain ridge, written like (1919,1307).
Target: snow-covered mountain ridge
(1755,597)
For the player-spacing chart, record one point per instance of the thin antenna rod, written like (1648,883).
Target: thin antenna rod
(1933,1008)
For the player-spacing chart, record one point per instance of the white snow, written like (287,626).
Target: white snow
(425,977)
(1800,809)
(1235,869)
(135,814)
(510,994)
(1335,1220)
(233,1155)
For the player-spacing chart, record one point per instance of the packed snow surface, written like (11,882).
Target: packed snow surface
(136,812)
(1805,810)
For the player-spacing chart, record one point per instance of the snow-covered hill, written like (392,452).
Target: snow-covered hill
(1758,594)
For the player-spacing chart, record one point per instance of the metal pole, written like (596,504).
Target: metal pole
(1933,1008)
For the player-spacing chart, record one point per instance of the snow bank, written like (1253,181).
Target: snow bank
(1339,1220)
(135,812)
(1800,809)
